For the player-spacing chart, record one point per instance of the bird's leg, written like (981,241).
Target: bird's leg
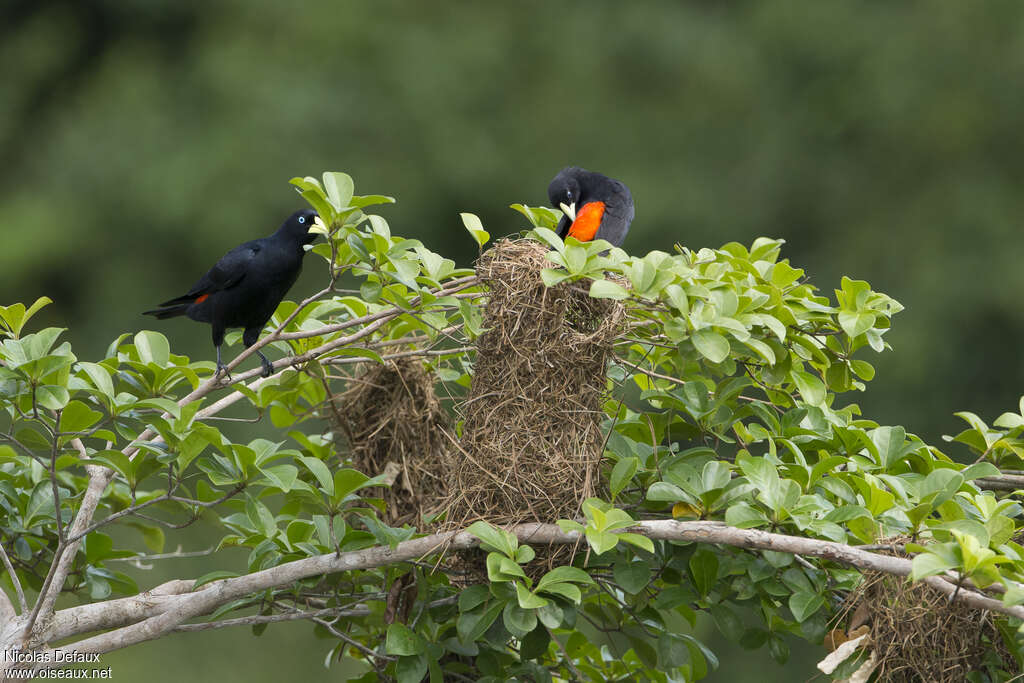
(268,367)
(250,336)
(221,367)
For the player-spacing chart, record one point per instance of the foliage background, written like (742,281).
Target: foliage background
(141,139)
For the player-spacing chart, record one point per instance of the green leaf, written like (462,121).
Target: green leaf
(811,388)
(863,369)
(606,289)
(339,188)
(704,569)
(473,596)
(564,575)
(568,526)
(663,491)
(550,238)
(856,323)
(676,296)
(320,471)
(152,536)
(762,349)
(52,397)
(622,474)
(78,417)
(783,275)
(153,348)
(639,541)
(535,643)
(804,604)
(727,621)
(890,444)
(475,228)
(347,481)
(528,599)
(519,621)
(742,515)
(930,564)
(15,316)
(539,216)
(401,640)
(566,590)
(411,669)
(494,539)
(503,569)
(471,625)
(632,577)
(551,277)
(601,541)
(116,460)
(711,345)
(213,576)
(99,376)
(281,477)
(524,554)
(363,201)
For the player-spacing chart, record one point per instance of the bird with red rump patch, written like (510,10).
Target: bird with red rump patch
(594,206)
(245,286)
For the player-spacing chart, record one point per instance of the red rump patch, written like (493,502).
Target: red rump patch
(202,298)
(588,220)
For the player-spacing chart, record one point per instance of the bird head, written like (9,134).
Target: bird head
(298,225)
(564,190)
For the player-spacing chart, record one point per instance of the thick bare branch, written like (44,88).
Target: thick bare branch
(1002,482)
(158,614)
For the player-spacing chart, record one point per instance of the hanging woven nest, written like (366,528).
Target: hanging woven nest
(393,424)
(912,633)
(531,439)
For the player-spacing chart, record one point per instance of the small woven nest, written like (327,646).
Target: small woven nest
(531,440)
(394,425)
(917,635)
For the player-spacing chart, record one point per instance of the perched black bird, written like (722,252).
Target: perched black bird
(244,288)
(595,206)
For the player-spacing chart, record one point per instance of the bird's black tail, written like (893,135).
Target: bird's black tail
(168,311)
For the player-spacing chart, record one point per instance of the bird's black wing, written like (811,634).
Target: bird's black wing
(226,273)
(563,226)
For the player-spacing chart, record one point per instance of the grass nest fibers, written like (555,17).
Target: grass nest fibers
(531,441)
(394,425)
(917,635)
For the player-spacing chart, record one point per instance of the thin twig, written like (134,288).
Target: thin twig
(354,643)
(14,579)
(565,656)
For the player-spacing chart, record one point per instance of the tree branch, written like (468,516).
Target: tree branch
(358,611)
(151,615)
(99,477)
(1002,482)
(14,580)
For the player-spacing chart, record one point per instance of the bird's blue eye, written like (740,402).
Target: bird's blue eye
(302,219)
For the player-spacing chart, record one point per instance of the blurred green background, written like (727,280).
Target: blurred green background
(141,139)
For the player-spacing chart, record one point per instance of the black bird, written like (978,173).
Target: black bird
(595,206)
(245,286)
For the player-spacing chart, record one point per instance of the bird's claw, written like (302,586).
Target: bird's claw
(221,368)
(268,367)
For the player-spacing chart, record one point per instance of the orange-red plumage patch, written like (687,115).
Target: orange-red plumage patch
(588,220)
(203,298)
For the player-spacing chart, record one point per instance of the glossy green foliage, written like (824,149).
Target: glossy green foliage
(727,401)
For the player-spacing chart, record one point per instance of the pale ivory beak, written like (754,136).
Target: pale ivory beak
(569,211)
